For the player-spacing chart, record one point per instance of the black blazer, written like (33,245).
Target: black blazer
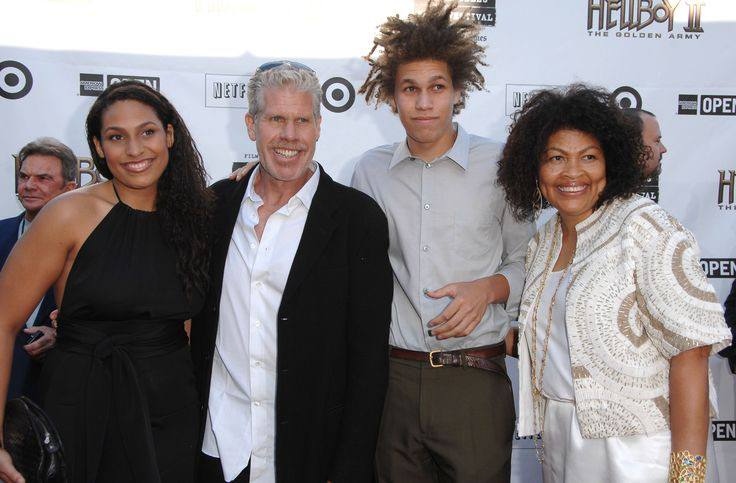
(25,371)
(333,325)
(730,315)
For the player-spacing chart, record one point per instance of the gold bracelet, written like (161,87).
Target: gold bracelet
(686,467)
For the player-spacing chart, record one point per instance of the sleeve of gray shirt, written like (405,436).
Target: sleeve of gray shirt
(516,236)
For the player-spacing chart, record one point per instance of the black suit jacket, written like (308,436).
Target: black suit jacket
(333,325)
(25,371)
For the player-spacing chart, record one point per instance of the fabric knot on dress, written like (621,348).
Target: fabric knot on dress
(112,390)
(103,349)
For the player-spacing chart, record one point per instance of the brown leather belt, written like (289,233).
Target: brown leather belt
(478,357)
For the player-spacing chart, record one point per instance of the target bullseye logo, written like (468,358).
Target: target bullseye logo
(338,94)
(15,79)
(627,97)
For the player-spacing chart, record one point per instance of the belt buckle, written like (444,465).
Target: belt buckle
(431,362)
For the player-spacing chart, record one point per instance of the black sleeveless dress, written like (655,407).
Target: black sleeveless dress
(120,384)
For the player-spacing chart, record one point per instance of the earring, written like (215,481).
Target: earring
(538,203)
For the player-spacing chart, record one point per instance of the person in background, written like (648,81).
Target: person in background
(457,257)
(730,315)
(128,262)
(46,169)
(617,319)
(651,137)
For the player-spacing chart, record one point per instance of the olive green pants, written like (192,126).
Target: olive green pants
(445,424)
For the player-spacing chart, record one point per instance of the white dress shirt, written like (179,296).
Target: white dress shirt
(241,420)
(22,228)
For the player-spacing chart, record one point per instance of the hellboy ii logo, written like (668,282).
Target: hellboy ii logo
(643,19)
(726,189)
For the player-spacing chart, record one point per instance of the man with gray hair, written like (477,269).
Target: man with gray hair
(291,348)
(46,169)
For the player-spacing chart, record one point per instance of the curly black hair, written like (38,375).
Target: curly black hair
(183,202)
(431,35)
(577,107)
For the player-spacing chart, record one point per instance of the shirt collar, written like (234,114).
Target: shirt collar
(459,152)
(304,196)
(24,225)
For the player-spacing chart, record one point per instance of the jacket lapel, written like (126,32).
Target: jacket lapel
(321,222)
(225,217)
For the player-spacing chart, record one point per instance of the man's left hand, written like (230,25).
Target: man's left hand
(47,341)
(470,301)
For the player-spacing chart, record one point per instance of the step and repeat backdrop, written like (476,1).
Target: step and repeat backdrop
(672,57)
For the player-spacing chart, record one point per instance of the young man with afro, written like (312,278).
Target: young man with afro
(457,255)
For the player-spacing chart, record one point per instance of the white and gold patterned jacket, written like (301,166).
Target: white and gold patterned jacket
(637,297)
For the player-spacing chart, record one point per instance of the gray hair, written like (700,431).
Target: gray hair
(53,147)
(285,75)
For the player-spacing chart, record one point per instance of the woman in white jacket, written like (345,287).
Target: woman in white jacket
(617,319)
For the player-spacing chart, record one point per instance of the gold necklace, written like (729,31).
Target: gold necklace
(538,382)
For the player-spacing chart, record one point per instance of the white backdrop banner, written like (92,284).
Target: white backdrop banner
(671,57)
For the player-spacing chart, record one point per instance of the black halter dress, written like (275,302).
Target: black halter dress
(120,385)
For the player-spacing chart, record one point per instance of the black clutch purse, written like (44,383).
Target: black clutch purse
(32,441)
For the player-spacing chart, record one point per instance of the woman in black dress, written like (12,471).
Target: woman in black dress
(128,262)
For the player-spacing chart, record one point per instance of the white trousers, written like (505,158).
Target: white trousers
(569,458)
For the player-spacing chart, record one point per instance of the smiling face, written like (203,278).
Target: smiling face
(39,181)
(572,174)
(285,133)
(652,139)
(424,97)
(134,143)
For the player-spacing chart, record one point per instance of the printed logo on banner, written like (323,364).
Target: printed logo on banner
(726,189)
(706,104)
(338,94)
(644,19)
(152,82)
(225,90)
(650,188)
(482,11)
(86,174)
(687,104)
(91,84)
(518,94)
(719,267)
(723,430)
(627,97)
(16,80)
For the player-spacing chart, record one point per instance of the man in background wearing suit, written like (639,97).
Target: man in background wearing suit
(291,349)
(730,315)
(47,168)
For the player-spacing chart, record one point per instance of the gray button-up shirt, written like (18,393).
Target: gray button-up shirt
(448,222)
